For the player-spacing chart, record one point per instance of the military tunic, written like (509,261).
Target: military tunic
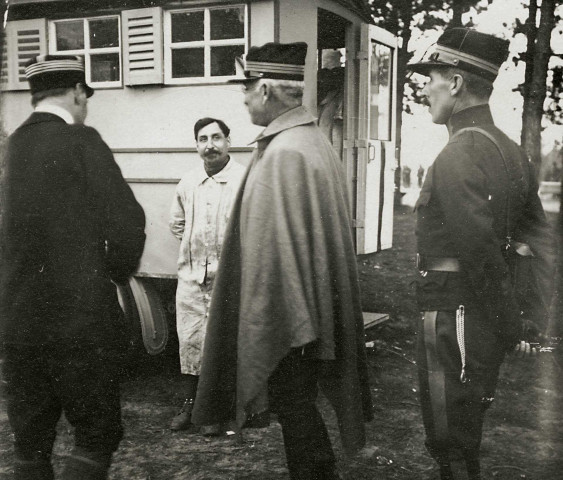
(462,214)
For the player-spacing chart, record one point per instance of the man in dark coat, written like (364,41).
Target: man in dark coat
(71,225)
(478,201)
(285,313)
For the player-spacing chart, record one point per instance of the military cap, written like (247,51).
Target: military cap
(47,72)
(284,61)
(468,50)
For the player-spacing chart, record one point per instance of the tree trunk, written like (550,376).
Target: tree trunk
(457,11)
(531,30)
(533,109)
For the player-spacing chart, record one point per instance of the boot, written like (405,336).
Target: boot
(85,465)
(326,472)
(33,470)
(183,420)
(455,470)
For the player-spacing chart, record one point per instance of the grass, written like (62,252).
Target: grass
(523,433)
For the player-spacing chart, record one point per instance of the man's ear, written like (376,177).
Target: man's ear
(229,141)
(457,84)
(265,91)
(79,90)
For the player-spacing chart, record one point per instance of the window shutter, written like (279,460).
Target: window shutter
(142,32)
(24,40)
(4,65)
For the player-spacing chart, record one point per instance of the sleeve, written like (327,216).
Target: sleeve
(461,187)
(177,214)
(122,219)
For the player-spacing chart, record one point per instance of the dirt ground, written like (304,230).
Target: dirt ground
(523,433)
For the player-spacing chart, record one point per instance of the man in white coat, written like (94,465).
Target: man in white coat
(199,216)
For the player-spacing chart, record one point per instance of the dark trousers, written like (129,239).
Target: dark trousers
(82,381)
(293,392)
(453,411)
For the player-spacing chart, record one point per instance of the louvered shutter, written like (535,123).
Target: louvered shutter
(142,39)
(4,65)
(24,40)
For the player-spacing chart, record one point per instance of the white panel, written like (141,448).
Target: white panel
(25,39)
(142,46)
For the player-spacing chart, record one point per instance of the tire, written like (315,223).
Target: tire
(144,315)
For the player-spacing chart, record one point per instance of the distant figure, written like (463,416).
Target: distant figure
(285,314)
(406,170)
(466,234)
(199,215)
(71,226)
(556,170)
(420,175)
(331,99)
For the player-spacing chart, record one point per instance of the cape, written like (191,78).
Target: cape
(287,277)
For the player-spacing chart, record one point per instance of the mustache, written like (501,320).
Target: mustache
(210,150)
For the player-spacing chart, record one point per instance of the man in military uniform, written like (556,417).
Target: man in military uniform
(71,226)
(478,196)
(285,316)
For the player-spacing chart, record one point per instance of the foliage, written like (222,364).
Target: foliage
(553,108)
(402,16)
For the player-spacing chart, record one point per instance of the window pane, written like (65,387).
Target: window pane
(187,27)
(227,23)
(223,59)
(104,33)
(70,35)
(380,101)
(187,62)
(105,67)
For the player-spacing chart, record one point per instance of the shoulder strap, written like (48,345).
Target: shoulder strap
(506,167)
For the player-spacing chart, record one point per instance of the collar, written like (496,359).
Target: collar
(292,118)
(222,176)
(56,110)
(479,115)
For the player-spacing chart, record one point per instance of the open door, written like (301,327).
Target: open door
(375,144)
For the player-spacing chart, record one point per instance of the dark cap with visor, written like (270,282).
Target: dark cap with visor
(282,61)
(468,50)
(48,72)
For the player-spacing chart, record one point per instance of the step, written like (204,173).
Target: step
(372,319)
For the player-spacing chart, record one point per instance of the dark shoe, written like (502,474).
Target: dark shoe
(183,420)
(326,473)
(33,470)
(211,430)
(86,466)
(258,420)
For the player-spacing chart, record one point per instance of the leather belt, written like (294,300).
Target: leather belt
(438,264)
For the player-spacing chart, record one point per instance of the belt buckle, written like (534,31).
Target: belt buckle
(421,265)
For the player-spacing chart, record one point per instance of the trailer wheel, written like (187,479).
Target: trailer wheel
(142,307)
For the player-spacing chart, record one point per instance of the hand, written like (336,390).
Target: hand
(524,350)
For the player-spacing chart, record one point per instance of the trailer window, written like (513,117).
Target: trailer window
(380,89)
(97,40)
(202,44)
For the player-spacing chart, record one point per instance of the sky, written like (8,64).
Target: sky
(506,105)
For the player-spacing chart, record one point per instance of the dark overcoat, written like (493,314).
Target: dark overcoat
(71,225)
(287,277)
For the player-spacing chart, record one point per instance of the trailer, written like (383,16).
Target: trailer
(159,65)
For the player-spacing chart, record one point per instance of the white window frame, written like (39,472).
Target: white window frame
(206,43)
(86,52)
